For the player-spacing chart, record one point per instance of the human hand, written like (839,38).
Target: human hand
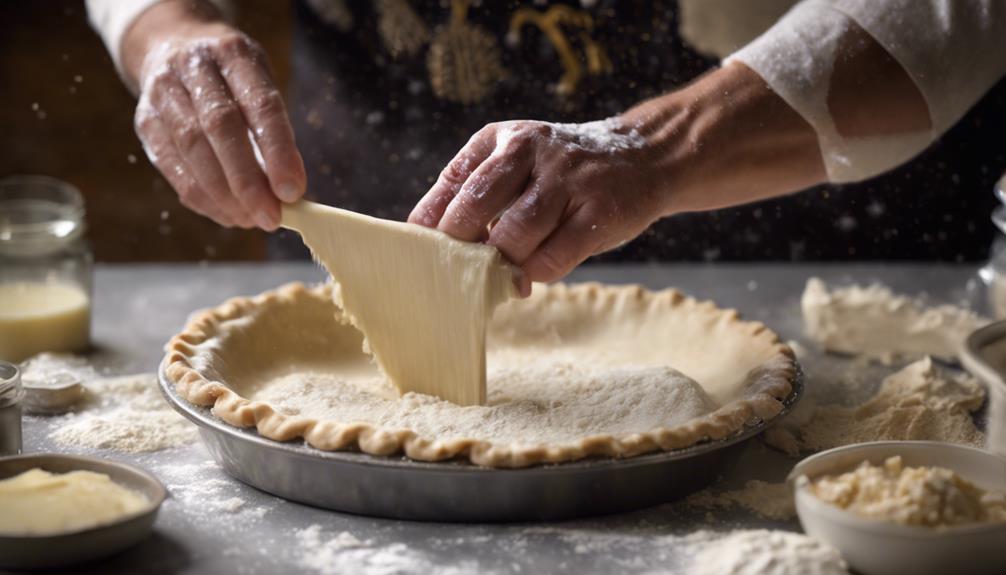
(213,122)
(548,196)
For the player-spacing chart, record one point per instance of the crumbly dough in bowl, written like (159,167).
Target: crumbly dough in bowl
(573,371)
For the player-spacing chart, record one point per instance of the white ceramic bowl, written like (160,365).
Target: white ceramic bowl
(875,547)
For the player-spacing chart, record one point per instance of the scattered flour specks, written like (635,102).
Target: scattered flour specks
(345,553)
(206,494)
(768,500)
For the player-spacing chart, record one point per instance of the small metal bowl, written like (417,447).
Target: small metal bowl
(876,547)
(64,549)
(984,355)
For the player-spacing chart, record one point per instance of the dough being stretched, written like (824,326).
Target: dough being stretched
(421,298)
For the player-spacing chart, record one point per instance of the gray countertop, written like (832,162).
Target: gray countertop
(137,308)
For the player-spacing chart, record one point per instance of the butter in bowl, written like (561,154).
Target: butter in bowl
(62,510)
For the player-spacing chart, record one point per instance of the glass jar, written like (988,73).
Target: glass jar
(994,273)
(10,409)
(46,268)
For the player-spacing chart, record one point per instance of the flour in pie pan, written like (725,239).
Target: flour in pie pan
(573,371)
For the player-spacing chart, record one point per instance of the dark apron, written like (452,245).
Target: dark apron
(385,93)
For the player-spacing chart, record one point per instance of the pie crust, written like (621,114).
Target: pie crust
(745,371)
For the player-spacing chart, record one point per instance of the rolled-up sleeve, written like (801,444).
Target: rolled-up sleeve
(111,18)
(953,50)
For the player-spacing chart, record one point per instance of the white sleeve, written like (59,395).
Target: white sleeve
(952,49)
(111,18)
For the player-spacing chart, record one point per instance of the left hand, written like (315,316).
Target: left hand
(548,196)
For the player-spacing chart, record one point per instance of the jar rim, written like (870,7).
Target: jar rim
(39,214)
(10,383)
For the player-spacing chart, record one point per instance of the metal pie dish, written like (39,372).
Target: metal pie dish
(459,491)
(71,548)
(876,547)
(226,356)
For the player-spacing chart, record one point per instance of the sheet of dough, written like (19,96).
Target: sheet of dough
(421,298)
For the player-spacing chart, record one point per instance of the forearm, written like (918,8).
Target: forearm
(724,140)
(158,24)
(733,138)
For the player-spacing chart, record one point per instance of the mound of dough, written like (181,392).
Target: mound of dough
(874,322)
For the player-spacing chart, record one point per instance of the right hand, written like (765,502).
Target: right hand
(206,94)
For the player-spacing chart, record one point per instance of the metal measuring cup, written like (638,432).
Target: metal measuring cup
(10,409)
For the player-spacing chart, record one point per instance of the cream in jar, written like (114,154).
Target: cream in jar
(37,317)
(45,268)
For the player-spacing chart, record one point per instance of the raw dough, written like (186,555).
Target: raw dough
(926,496)
(38,502)
(574,371)
(421,298)
(539,402)
(874,322)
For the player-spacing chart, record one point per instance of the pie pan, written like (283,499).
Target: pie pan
(64,549)
(401,488)
(876,547)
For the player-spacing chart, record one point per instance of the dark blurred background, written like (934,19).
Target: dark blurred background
(64,113)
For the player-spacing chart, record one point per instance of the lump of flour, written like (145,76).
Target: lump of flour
(874,322)
(124,414)
(920,402)
(762,552)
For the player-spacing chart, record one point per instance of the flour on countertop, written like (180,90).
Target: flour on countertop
(124,414)
(345,553)
(873,321)
(206,493)
(762,552)
(621,544)
(919,402)
(767,500)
